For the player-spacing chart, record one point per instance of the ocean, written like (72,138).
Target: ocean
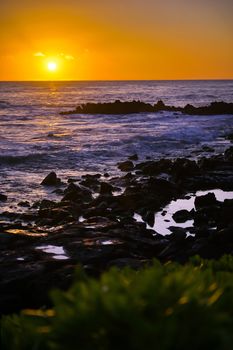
(35,139)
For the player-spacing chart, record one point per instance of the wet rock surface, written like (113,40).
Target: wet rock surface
(182,215)
(205,201)
(93,225)
(51,180)
(3,197)
(126,166)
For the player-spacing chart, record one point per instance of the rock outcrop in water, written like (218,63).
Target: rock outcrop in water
(130,107)
(51,180)
(3,197)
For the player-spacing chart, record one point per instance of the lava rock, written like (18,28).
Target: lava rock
(178,233)
(58,191)
(91,183)
(182,215)
(149,218)
(133,157)
(25,204)
(229,137)
(182,168)
(3,197)
(126,166)
(51,180)
(204,201)
(161,187)
(155,167)
(106,188)
(229,154)
(128,107)
(77,193)
(224,236)
(207,149)
(46,204)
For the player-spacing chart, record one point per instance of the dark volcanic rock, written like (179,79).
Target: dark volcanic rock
(178,234)
(205,201)
(116,107)
(119,107)
(25,204)
(207,215)
(3,197)
(229,154)
(213,109)
(133,157)
(229,137)
(155,167)
(182,168)
(46,204)
(210,163)
(100,232)
(126,166)
(77,193)
(56,214)
(224,216)
(51,180)
(92,182)
(106,188)
(207,149)
(182,215)
(149,218)
(162,188)
(225,236)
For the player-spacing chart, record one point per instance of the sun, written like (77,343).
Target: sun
(52,66)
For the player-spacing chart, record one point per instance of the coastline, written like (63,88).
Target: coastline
(94,225)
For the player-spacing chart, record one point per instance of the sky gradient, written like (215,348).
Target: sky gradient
(124,39)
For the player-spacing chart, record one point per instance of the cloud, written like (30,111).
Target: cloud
(39,54)
(63,55)
(66,56)
(69,57)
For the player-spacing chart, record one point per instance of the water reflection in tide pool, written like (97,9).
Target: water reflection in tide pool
(164,220)
(57,251)
(26,232)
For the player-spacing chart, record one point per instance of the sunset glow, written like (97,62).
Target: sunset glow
(143,39)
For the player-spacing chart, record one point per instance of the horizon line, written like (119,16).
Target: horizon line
(111,80)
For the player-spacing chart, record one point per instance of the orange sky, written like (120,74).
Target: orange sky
(106,39)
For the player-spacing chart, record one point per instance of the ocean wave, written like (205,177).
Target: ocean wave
(41,105)
(14,160)
(54,105)
(59,135)
(4,104)
(53,136)
(7,104)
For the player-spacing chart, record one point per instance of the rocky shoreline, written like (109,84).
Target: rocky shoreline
(129,107)
(94,225)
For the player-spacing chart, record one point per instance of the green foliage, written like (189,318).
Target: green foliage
(164,307)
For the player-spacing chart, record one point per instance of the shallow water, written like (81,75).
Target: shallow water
(35,139)
(26,232)
(57,252)
(164,220)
